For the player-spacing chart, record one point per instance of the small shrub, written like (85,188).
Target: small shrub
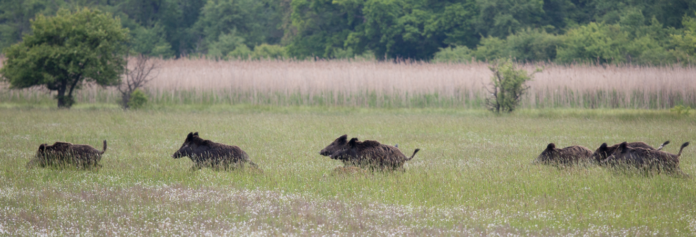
(508,86)
(241,52)
(456,54)
(137,99)
(267,51)
(681,110)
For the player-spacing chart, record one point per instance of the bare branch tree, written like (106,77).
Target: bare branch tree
(140,73)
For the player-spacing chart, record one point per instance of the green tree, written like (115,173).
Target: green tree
(322,27)
(686,41)
(151,42)
(66,50)
(255,21)
(595,42)
(500,18)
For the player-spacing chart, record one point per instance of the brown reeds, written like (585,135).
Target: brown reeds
(408,84)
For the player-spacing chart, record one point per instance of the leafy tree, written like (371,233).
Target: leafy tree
(255,21)
(15,15)
(686,41)
(324,26)
(66,50)
(414,29)
(500,18)
(595,42)
(151,42)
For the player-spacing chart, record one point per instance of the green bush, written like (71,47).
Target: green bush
(137,99)
(508,86)
(241,52)
(225,44)
(532,45)
(267,51)
(454,54)
(263,51)
(491,48)
(681,110)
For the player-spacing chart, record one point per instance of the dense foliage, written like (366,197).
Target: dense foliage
(597,31)
(65,50)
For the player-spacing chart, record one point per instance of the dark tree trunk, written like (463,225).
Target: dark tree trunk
(67,101)
(61,96)
(125,98)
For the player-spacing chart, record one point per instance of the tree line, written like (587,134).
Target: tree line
(564,31)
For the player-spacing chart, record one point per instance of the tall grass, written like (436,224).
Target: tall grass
(389,84)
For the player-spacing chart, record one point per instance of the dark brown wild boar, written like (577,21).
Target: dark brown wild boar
(64,153)
(205,153)
(605,151)
(373,155)
(646,159)
(567,156)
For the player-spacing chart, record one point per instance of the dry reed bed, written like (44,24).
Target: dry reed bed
(351,77)
(557,85)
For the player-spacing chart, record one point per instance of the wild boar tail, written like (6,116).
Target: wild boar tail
(104,147)
(662,145)
(682,148)
(414,154)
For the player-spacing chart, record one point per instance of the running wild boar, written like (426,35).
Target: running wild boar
(646,159)
(566,156)
(205,153)
(64,153)
(373,155)
(605,151)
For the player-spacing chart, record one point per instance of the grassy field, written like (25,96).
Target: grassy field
(473,175)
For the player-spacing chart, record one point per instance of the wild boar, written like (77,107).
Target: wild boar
(645,159)
(605,151)
(567,156)
(64,153)
(373,155)
(205,153)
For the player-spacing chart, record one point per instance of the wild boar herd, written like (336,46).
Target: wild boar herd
(369,154)
(624,155)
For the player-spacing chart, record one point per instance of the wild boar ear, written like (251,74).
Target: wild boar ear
(603,147)
(551,146)
(42,147)
(623,146)
(353,141)
(195,134)
(343,139)
(189,137)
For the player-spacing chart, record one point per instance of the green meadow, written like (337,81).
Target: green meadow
(473,176)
